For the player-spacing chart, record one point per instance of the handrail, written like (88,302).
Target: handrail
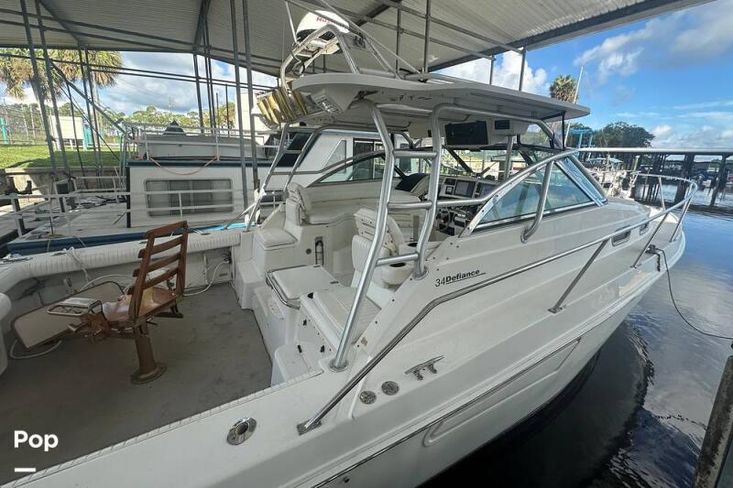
(527,233)
(315,420)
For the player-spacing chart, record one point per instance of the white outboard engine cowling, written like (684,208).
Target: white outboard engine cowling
(313,21)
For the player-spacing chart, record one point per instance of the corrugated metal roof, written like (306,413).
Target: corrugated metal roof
(460,29)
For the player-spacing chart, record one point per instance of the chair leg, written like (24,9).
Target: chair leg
(148,368)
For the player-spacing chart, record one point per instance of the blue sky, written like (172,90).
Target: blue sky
(672,74)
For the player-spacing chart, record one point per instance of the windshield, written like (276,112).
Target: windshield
(371,167)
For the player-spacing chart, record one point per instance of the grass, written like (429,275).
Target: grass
(36,156)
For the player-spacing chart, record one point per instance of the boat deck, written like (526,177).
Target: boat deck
(82,392)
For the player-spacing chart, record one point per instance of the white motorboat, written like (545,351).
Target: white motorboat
(408,314)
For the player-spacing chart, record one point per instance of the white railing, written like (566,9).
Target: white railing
(142,136)
(51,207)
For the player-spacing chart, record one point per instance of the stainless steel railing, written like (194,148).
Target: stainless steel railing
(601,242)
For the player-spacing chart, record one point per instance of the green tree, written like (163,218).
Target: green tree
(564,88)
(16,70)
(623,134)
(153,116)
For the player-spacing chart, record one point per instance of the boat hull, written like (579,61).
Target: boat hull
(414,459)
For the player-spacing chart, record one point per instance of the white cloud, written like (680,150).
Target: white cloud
(662,131)
(684,37)
(686,136)
(701,105)
(29,97)
(133,93)
(506,73)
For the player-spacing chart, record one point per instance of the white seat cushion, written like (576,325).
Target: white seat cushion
(274,237)
(300,280)
(330,309)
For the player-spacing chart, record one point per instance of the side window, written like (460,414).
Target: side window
(580,177)
(366,169)
(197,196)
(524,198)
(563,192)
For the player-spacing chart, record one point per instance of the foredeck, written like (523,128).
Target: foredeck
(82,392)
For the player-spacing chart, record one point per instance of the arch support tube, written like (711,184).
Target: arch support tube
(339,362)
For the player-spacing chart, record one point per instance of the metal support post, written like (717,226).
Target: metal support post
(238,100)
(198,91)
(95,119)
(250,94)
(426,43)
(720,181)
(397,41)
(559,305)
(339,362)
(38,87)
(51,90)
(521,69)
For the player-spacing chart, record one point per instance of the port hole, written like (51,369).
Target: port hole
(397,265)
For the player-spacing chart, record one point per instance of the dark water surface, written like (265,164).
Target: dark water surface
(637,417)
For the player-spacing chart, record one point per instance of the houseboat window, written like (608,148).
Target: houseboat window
(362,146)
(524,198)
(297,143)
(193,197)
(339,153)
(366,169)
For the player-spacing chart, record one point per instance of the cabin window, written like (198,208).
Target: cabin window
(620,238)
(523,199)
(187,197)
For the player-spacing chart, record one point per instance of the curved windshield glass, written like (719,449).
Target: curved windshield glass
(523,200)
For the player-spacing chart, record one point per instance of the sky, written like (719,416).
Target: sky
(672,74)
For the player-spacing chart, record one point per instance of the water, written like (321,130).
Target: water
(637,417)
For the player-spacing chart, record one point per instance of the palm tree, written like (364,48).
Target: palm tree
(16,70)
(564,88)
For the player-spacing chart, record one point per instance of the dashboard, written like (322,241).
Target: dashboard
(465,187)
(453,220)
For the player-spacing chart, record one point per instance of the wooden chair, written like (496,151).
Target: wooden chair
(100,316)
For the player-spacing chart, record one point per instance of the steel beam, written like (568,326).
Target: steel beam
(238,97)
(51,91)
(39,89)
(250,93)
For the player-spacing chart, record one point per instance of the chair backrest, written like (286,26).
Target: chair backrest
(172,261)
(366,220)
